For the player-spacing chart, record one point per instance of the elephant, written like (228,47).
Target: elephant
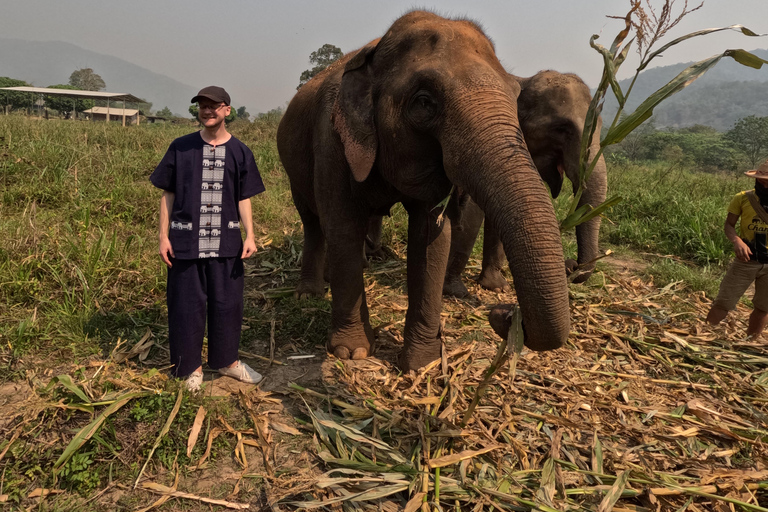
(552,107)
(408,117)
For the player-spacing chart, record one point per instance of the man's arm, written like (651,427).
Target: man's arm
(740,248)
(166,205)
(246,218)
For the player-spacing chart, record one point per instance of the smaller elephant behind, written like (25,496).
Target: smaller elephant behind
(552,107)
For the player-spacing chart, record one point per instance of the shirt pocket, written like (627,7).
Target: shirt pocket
(182,236)
(231,240)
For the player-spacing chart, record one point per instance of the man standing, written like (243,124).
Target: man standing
(207,178)
(751,263)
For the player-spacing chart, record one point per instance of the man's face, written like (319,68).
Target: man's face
(212,113)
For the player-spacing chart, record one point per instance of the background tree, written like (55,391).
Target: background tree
(10,100)
(321,59)
(164,112)
(144,106)
(750,134)
(243,114)
(64,105)
(86,80)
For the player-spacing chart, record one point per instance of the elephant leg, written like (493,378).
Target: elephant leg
(428,247)
(494,260)
(373,248)
(311,283)
(587,233)
(462,243)
(351,333)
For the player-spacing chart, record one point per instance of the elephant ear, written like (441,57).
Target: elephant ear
(353,113)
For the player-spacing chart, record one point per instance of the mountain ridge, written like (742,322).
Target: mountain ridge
(44,63)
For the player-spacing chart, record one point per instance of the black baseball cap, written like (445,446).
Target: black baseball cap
(212,93)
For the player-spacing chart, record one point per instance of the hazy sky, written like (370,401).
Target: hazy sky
(257,49)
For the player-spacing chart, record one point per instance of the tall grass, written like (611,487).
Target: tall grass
(78,228)
(78,234)
(673,211)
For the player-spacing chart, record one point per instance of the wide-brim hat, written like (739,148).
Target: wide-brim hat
(212,93)
(761,173)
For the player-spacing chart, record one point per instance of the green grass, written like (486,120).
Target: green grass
(78,235)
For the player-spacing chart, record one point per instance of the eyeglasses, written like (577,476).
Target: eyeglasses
(213,108)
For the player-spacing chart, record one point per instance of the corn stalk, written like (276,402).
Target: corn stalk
(648,30)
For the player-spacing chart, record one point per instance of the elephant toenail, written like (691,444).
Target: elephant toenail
(359,353)
(341,352)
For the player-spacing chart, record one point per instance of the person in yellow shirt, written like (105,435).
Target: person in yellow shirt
(751,263)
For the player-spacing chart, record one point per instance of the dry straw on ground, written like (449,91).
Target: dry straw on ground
(645,409)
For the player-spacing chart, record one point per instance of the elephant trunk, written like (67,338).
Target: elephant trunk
(486,155)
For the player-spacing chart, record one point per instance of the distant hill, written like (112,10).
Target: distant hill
(724,95)
(48,63)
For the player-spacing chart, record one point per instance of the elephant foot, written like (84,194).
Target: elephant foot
(454,287)
(307,290)
(493,280)
(352,346)
(575,273)
(344,353)
(415,357)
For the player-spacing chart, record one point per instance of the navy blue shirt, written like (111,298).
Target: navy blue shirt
(208,183)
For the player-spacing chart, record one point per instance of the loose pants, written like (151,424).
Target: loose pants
(197,289)
(736,281)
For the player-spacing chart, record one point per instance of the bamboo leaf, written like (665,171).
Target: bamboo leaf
(87,432)
(546,492)
(453,458)
(195,432)
(597,455)
(613,495)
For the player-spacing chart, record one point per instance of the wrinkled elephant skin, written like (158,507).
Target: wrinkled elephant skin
(552,108)
(403,119)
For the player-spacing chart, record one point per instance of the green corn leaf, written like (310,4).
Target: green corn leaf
(609,71)
(87,432)
(590,213)
(677,84)
(739,28)
(66,381)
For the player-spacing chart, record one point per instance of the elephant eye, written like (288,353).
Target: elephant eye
(423,108)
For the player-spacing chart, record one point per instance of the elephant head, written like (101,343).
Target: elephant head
(552,109)
(429,106)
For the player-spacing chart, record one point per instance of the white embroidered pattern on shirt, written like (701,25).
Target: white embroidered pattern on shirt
(211,200)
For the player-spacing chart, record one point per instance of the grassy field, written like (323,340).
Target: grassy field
(80,283)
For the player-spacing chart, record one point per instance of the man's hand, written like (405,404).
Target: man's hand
(166,251)
(742,250)
(249,247)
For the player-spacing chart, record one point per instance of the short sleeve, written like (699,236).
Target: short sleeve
(735,206)
(250,178)
(164,175)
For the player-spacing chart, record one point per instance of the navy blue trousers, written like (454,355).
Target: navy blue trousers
(197,289)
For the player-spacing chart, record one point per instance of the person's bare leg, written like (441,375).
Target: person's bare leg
(716,315)
(757,321)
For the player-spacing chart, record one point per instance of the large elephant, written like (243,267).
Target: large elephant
(403,119)
(552,108)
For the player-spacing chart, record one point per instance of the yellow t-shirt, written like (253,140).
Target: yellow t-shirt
(750,224)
